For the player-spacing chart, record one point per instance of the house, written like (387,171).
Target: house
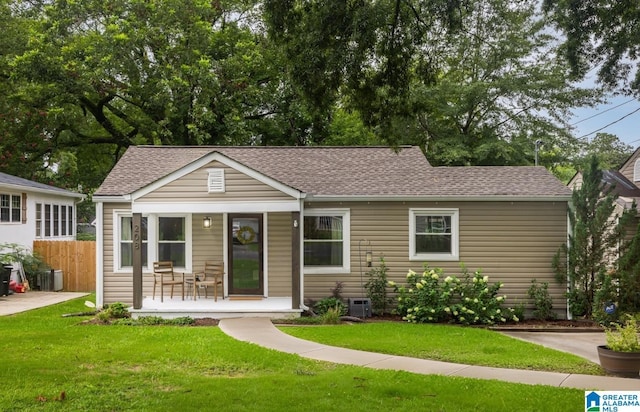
(34,211)
(623,184)
(290,222)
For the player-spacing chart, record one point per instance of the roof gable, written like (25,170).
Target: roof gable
(216,157)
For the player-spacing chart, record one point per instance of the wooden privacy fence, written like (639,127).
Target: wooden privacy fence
(76,259)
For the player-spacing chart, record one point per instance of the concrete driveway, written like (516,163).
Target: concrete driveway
(579,343)
(20,302)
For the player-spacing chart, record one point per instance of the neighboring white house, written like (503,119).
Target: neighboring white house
(30,210)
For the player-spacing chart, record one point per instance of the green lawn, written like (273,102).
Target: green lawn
(169,368)
(467,345)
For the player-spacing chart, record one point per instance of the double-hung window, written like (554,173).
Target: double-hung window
(164,238)
(433,234)
(172,244)
(126,242)
(10,208)
(326,241)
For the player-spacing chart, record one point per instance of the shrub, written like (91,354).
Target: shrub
(624,338)
(31,262)
(542,302)
(430,298)
(330,303)
(376,288)
(336,291)
(116,310)
(424,299)
(518,310)
(331,316)
(480,303)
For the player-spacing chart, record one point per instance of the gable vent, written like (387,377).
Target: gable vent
(636,171)
(215,182)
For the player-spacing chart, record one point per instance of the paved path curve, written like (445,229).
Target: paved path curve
(262,332)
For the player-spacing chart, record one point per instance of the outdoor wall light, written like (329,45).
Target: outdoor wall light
(295,222)
(369,258)
(206,222)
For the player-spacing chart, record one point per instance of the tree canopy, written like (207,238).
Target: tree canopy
(107,75)
(470,82)
(602,34)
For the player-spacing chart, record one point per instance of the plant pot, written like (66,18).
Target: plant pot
(625,364)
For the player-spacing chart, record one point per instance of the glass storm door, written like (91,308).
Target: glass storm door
(245,255)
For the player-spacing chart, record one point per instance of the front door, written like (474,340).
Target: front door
(245,255)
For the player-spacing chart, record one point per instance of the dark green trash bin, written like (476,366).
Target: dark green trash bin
(5,278)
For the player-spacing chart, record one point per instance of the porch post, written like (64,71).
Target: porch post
(137,260)
(296,226)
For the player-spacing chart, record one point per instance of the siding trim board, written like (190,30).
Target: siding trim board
(217,207)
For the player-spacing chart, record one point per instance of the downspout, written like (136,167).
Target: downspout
(569,234)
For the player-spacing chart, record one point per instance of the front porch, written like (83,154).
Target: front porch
(274,308)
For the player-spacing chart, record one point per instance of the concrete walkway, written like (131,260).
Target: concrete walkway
(262,332)
(583,344)
(21,302)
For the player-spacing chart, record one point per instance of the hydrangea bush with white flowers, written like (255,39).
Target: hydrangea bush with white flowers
(431,297)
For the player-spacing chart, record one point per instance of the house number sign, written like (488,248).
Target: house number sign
(136,237)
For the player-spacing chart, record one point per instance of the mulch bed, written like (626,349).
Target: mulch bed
(206,322)
(529,325)
(559,325)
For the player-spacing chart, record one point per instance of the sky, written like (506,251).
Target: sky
(621,116)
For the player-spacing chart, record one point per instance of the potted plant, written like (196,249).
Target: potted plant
(621,355)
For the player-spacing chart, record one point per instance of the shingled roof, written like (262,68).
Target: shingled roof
(7,180)
(340,172)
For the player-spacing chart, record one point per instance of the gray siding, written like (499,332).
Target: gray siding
(207,245)
(627,168)
(279,254)
(118,287)
(193,188)
(511,242)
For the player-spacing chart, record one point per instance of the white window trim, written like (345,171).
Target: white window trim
(455,229)
(188,234)
(11,208)
(346,242)
(152,242)
(117,220)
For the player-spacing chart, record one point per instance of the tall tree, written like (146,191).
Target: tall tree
(595,233)
(108,74)
(609,149)
(603,34)
(471,82)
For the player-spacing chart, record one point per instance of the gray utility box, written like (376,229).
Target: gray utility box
(50,281)
(360,307)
